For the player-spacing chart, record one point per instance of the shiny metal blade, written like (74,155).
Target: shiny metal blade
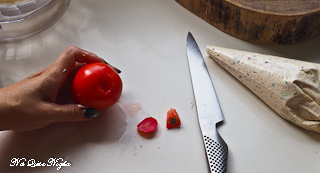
(208,108)
(206,100)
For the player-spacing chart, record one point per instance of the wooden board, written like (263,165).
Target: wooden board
(261,21)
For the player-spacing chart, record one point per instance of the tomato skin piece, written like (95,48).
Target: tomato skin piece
(173,119)
(97,85)
(147,125)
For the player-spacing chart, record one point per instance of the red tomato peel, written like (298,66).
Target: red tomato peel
(173,119)
(97,85)
(147,125)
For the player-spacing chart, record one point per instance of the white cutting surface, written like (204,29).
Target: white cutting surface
(146,39)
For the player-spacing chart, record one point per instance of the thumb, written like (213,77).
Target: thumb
(70,113)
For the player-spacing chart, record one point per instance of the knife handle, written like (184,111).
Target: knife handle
(217,153)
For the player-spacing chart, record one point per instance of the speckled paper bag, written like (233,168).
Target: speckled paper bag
(290,87)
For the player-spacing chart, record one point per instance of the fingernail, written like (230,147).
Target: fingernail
(114,68)
(90,113)
(104,61)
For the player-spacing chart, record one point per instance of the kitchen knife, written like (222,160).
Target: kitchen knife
(208,108)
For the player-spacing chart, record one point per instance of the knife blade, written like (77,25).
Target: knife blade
(208,108)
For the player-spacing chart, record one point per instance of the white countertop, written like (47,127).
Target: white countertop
(147,41)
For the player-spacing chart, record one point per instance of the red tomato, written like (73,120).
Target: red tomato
(97,85)
(173,119)
(147,125)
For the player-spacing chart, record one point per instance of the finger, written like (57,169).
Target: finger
(68,113)
(65,64)
(75,69)
(81,55)
(67,60)
(65,88)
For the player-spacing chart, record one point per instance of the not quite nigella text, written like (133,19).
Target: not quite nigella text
(54,162)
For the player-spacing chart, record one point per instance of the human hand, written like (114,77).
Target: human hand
(31,103)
